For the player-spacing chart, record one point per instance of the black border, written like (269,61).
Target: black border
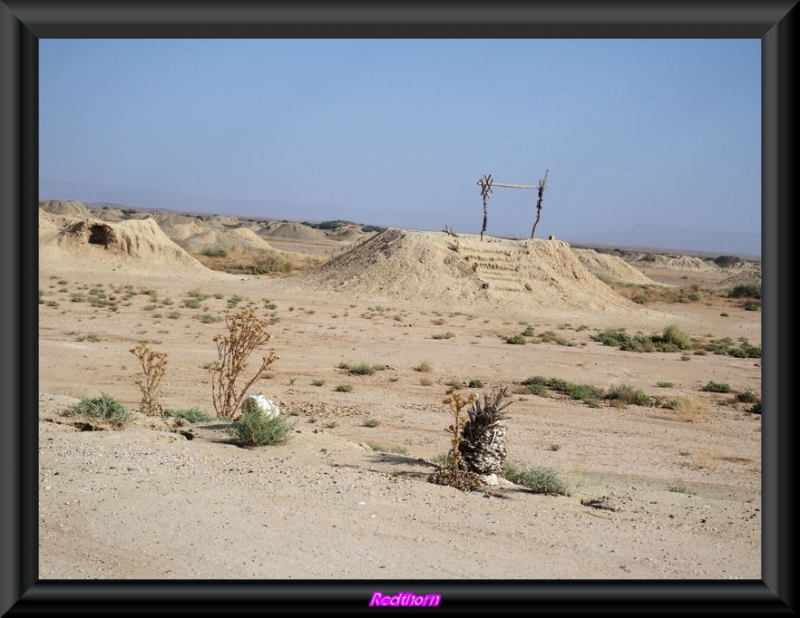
(22,23)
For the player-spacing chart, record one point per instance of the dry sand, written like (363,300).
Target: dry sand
(682,494)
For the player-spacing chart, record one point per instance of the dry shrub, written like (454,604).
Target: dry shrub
(687,409)
(154,365)
(424,367)
(245,333)
(454,472)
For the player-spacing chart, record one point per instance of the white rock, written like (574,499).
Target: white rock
(261,403)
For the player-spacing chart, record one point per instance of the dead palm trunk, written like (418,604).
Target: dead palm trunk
(483,439)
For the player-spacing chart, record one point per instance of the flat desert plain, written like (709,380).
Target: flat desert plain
(654,492)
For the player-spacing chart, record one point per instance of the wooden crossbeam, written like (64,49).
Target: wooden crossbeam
(498,184)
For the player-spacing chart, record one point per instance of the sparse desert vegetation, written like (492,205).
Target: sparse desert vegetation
(584,419)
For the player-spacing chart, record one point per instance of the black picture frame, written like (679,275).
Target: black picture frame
(23,23)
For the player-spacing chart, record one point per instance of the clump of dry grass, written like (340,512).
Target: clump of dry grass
(688,409)
(424,367)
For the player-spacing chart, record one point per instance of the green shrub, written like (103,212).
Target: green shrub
(628,396)
(756,409)
(539,479)
(672,339)
(582,392)
(207,318)
(475,384)
(673,335)
(537,389)
(173,315)
(665,384)
(318,382)
(371,422)
(745,350)
(254,428)
(536,385)
(746,290)
(344,388)
(193,415)
(364,369)
(748,397)
(446,335)
(216,251)
(751,305)
(197,294)
(515,340)
(717,387)
(191,303)
(104,407)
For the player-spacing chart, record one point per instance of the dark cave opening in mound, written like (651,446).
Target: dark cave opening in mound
(100,235)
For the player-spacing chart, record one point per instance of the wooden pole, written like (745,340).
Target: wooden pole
(542,186)
(486,189)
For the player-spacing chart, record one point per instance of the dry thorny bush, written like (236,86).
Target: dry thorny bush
(455,472)
(154,365)
(245,333)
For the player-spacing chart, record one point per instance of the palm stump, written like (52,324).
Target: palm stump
(483,438)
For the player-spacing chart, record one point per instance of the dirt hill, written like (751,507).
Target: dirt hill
(743,277)
(62,207)
(431,265)
(611,266)
(138,245)
(291,231)
(679,262)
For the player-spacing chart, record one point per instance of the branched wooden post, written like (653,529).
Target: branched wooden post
(542,186)
(486,189)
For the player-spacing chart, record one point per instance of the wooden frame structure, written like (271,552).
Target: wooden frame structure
(486,183)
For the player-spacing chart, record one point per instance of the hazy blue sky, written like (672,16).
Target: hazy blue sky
(635,133)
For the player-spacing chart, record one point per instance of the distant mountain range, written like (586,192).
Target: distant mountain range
(662,238)
(683,239)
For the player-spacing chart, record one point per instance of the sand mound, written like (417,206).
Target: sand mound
(291,231)
(179,227)
(236,238)
(101,245)
(199,234)
(59,207)
(611,266)
(107,214)
(345,231)
(743,277)
(222,221)
(681,262)
(430,265)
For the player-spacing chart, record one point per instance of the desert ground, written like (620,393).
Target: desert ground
(654,491)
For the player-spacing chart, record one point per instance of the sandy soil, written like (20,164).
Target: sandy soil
(681,495)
